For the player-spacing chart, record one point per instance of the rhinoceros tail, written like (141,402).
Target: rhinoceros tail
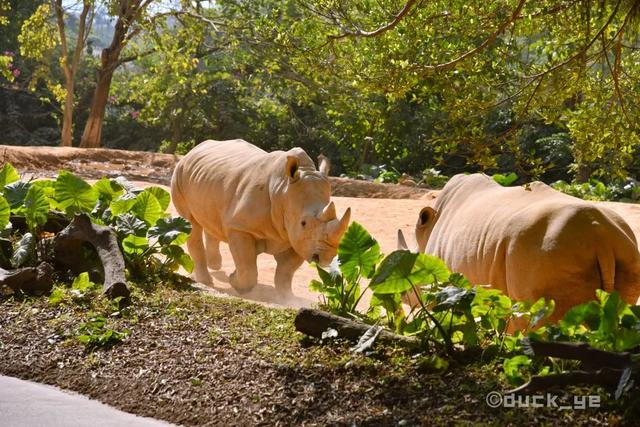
(607,268)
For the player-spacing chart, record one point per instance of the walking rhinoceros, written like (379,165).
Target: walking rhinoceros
(257,202)
(530,241)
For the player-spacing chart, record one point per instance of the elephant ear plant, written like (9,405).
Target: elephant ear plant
(32,212)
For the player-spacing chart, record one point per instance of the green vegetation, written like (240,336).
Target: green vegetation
(549,91)
(451,315)
(150,239)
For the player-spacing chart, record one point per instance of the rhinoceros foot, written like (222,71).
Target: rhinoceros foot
(239,286)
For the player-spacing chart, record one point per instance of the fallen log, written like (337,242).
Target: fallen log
(578,351)
(605,377)
(314,322)
(31,280)
(67,246)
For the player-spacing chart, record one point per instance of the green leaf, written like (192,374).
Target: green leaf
(126,224)
(25,251)
(57,296)
(505,180)
(512,368)
(135,245)
(8,174)
(588,314)
(36,207)
(358,253)
(402,268)
(147,208)
(170,230)
(74,194)
(49,189)
(162,195)
(123,204)
(5,212)
(16,192)
(177,257)
(393,274)
(108,189)
(454,297)
(82,282)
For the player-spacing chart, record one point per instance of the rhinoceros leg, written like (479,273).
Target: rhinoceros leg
(243,251)
(214,259)
(196,250)
(288,262)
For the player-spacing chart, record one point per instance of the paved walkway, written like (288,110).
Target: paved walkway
(28,404)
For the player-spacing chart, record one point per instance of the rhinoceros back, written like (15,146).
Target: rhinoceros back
(225,184)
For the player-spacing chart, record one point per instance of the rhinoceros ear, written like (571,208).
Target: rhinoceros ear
(291,169)
(328,213)
(427,215)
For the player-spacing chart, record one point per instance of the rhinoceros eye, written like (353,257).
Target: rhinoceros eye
(303,223)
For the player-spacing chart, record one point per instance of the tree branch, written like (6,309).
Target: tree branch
(481,46)
(389,26)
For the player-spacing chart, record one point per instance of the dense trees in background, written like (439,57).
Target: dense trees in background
(546,89)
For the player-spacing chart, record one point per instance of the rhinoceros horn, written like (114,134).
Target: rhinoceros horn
(402,243)
(328,213)
(337,228)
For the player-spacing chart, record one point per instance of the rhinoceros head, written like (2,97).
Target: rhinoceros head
(311,223)
(424,227)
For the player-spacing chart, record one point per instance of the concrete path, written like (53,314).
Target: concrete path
(28,404)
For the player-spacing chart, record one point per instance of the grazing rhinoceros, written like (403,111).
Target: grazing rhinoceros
(257,202)
(530,241)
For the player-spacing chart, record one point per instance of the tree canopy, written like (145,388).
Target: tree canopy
(546,89)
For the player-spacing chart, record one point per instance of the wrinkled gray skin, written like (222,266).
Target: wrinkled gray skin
(278,203)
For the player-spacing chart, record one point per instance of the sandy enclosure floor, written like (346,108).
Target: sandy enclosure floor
(380,208)
(382,218)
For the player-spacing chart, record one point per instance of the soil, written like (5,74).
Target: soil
(196,359)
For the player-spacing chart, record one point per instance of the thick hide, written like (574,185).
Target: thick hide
(278,203)
(531,241)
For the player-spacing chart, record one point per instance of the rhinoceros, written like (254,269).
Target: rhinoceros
(278,203)
(530,241)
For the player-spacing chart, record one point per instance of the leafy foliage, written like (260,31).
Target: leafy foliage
(150,239)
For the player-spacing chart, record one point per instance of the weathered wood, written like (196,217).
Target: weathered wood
(104,240)
(31,280)
(578,351)
(314,322)
(605,377)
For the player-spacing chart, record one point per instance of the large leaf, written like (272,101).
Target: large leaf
(147,208)
(135,245)
(16,192)
(123,204)
(108,189)
(512,368)
(177,257)
(170,230)
(48,186)
(36,207)
(454,297)
(75,194)
(358,253)
(402,269)
(25,251)
(162,195)
(5,212)
(126,224)
(8,174)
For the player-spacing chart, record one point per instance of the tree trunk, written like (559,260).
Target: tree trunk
(67,115)
(92,135)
